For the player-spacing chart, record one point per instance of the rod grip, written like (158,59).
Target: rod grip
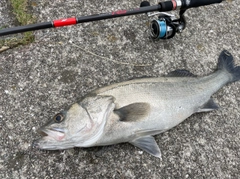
(197,3)
(166,6)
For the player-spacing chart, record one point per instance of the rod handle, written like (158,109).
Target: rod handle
(197,3)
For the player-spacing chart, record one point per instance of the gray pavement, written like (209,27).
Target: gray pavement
(62,65)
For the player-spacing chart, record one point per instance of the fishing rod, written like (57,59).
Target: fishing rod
(165,27)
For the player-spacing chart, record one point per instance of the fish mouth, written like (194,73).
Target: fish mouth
(56,134)
(52,139)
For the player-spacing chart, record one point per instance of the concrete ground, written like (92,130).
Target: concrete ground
(40,79)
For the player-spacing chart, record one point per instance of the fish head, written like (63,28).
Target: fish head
(79,126)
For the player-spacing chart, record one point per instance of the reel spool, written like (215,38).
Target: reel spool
(161,29)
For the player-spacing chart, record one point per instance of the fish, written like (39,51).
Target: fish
(136,110)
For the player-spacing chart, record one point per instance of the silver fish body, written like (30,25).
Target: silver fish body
(135,110)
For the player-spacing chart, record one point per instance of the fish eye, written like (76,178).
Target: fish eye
(58,118)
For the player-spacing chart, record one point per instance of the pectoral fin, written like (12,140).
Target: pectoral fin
(147,144)
(208,106)
(133,112)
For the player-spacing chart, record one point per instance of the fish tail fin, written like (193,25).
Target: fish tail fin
(226,63)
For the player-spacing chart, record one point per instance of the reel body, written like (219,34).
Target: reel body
(166,25)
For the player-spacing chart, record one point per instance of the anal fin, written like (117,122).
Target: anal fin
(147,144)
(208,106)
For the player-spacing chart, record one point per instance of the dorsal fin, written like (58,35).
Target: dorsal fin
(133,112)
(144,76)
(181,73)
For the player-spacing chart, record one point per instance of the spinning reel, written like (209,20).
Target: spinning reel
(167,25)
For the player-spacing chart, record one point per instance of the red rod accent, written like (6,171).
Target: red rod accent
(174,4)
(64,22)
